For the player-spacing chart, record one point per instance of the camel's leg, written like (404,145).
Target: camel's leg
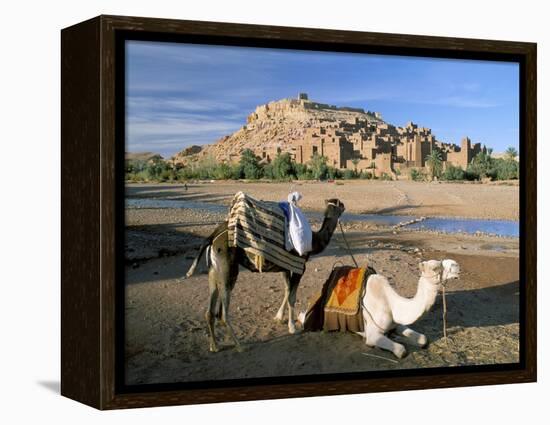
(222,275)
(218,310)
(293,288)
(413,337)
(229,270)
(225,295)
(211,311)
(279,317)
(375,338)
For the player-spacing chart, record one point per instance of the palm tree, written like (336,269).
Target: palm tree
(511,153)
(435,162)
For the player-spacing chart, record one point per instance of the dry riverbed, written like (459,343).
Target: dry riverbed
(166,338)
(471,200)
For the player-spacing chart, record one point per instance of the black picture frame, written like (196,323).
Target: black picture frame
(92,316)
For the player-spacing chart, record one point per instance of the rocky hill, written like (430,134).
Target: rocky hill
(140,156)
(277,124)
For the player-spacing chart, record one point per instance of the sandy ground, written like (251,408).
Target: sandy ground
(166,336)
(362,196)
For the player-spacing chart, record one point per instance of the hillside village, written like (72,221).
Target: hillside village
(349,138)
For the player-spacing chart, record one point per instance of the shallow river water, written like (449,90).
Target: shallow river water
(507,228)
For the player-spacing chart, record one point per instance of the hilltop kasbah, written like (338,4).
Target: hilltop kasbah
(350,138)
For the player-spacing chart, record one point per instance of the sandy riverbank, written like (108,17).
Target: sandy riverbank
(166,337)
(469,200)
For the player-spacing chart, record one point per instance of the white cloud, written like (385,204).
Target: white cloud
(140,103)
(460,102)
(168,135)
(169,126)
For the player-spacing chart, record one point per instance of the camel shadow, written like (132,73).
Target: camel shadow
(392,210)
(475,308)
(492,306)
(174,193)
(397,208)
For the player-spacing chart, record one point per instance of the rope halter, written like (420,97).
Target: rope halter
(440,274)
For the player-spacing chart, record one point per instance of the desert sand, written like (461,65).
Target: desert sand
(166,335)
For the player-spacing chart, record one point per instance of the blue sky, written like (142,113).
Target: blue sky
(183,94)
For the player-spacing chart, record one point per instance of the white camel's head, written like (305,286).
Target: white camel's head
(439,271)
(451,269)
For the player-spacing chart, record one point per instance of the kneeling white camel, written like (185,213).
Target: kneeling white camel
(384,310)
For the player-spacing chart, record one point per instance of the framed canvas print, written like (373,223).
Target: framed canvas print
(254,212)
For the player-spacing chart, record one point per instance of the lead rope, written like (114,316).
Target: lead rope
(347,245)
(443,284)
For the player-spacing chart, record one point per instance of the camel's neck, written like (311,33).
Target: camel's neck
(409,310)
(321,238)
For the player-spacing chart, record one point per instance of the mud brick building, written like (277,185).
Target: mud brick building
(349,138)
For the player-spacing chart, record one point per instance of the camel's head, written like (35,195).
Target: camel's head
(451,269)
(439,271)
(335,208)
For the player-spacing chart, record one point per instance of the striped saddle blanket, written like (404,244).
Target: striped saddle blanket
(260,228)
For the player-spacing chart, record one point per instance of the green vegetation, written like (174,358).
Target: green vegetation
(302,172)
(453,173)
(484,166)
(417,175)
(250,165)
(511,153)
(333,173)
(283,168)
(155,169)
(349,174)
(506,169)
(435,163)
(318,167)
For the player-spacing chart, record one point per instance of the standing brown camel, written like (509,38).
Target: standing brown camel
(224,269)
